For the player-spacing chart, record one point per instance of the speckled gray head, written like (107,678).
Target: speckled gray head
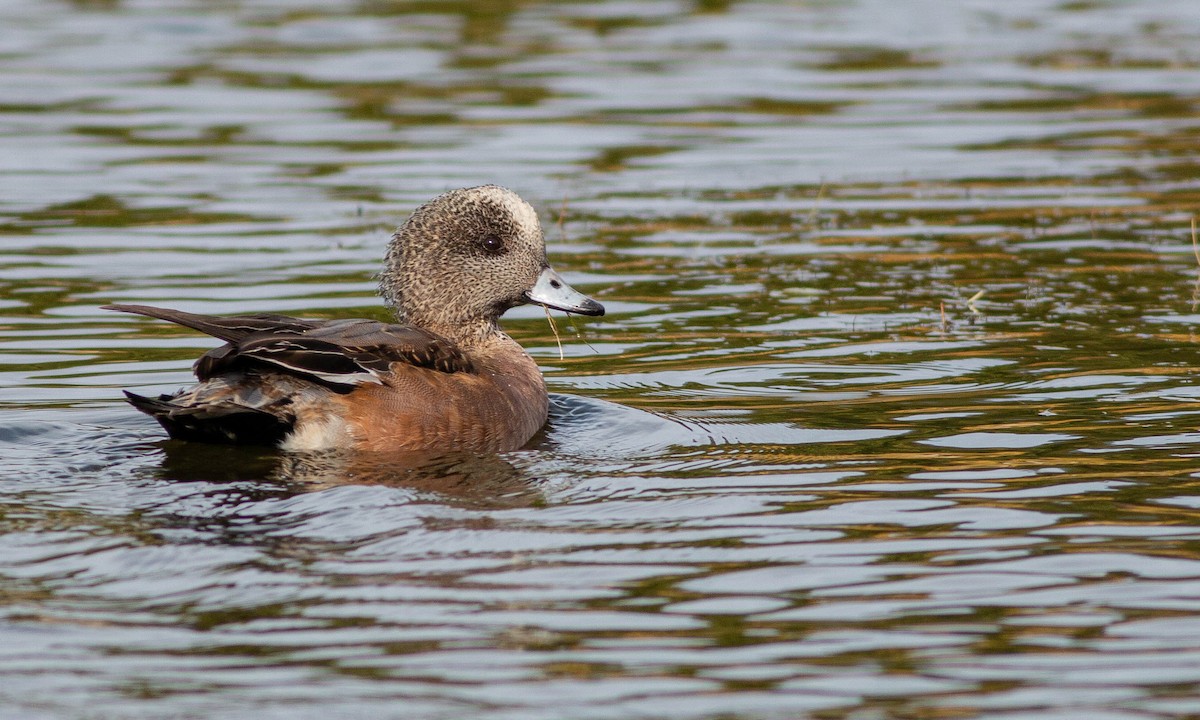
(465,257)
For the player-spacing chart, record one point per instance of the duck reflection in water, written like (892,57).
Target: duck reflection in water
(475,479)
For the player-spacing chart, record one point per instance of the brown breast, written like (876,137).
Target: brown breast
(496,408)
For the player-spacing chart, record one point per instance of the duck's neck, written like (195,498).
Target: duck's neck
(448,319)
(474,333)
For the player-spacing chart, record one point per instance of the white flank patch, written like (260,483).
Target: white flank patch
(325,434)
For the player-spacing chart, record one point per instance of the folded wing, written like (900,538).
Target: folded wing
(339,354)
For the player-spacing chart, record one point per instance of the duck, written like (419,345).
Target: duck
(442,377)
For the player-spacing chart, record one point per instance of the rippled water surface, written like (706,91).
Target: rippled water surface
(893,413)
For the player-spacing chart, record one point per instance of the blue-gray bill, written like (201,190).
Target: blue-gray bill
(554,292)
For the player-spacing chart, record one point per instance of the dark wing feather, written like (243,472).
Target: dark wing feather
(229,329)
(377,345)
(339,353)
(294,354)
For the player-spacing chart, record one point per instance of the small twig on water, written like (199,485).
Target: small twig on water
(971,302)
(811,220)
(554,329)
(571,322)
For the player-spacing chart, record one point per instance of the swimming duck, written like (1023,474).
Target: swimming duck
(442,377)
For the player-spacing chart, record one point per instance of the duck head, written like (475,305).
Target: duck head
(464,258)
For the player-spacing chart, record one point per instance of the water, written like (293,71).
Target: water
(893,413)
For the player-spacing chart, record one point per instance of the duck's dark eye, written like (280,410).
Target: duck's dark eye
(492,244)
